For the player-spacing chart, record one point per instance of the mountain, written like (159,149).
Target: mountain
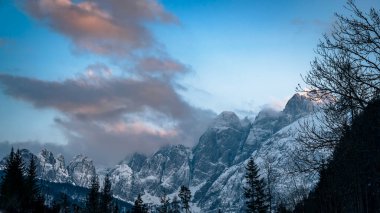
(213,169)
(270,141)
(165,171)
(53,169)
(81,169)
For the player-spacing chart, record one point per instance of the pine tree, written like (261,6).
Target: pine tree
(175,207)
(32,193)
(106,195)
(256,199)
(92,202)
(165,204)
(12,186)
(139,206)
(185,196)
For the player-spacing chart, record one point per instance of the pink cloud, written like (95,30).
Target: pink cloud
(112,27)
(117,115)
(160,66)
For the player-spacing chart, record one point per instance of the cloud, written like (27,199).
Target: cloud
(163,67)
(114,29)
(33,146)
(111,28)
(111,117)
(98,71)
(108,114)
(89,99)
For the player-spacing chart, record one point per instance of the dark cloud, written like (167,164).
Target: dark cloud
(111,117)
(89,99)
(112,27)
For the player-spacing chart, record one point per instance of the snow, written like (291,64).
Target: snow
(148,198)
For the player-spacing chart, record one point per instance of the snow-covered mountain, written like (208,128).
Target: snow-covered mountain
(213,169)
(78,172)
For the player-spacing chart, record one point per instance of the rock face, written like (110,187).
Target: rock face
(52,169)
(163,172)
(213,169)
(81,170)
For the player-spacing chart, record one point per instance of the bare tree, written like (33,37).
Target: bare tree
(345,76)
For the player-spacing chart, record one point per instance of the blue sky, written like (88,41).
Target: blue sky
(202,56)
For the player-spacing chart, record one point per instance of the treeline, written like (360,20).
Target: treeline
(174,206)
(346,73)
(345,79)
(350,182)
(20,191)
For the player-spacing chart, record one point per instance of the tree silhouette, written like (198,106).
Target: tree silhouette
(175,205)
(106,195)
(185,196)
(12,186)
(254,191)
(345,75)
(32,193)
(350,181)
(92,201)
(139,206)
(165,204)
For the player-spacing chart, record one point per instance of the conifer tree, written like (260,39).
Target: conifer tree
(32,194)
(12,185)
(185,196)
(139,206)
(165,204)
(106,195)
(92,202)
(256,199)
(175,207)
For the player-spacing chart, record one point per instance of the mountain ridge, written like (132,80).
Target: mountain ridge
(213,169)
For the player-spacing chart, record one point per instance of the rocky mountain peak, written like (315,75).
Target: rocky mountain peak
(136,161)
(81,169)
(47,156)
(227,119)
(298,105)
(267,113)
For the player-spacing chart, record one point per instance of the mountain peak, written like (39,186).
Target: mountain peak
(47,156)
(227,119)
(299,104)
(136,161)
(81,169)
(267,113)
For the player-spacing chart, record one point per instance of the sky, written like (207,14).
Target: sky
(110,78)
